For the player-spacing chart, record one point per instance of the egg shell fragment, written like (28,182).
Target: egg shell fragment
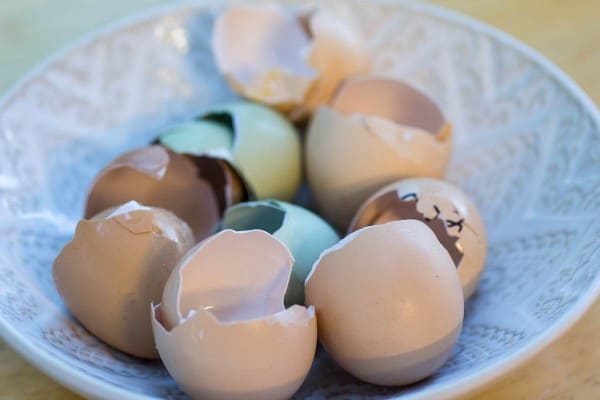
(286,58)
(388,301)
(375,132)
(338,52)
(440,200)
(230,272)
(303,232)
(115,266)
(267,62)
(222,316)
(158,177)
(263,147)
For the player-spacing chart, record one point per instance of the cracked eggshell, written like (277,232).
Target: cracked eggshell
(303,232)
(222,316)
(388,301)
(435,199)
(115,266)
(197,189)
(260,143)
(374,132)
(284,58)
(262,359)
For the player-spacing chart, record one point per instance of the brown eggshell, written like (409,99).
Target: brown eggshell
(286,59)
(262,359)
(115,266)
(434,200)
(158,177)
(223,316)
(388,301)
(351,153)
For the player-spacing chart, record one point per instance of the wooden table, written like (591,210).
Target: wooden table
(567,32)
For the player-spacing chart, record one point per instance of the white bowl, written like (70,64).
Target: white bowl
(527,146)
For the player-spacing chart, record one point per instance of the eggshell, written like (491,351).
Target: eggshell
(201,136)
(284,58)
(222,316)
(262,146)
(262,359)
(196,189)
(337,52)
(303,232)
(375,131)
(267,62)
(434,200)
(115,266)
(388,301)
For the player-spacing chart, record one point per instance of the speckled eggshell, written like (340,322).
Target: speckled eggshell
(115,266)
(158,177)
(441,199)
(388,301)
(374,132)
(222,330)
(303,232)
(260,143)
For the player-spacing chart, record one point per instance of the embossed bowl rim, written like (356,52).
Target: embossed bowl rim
(91,387)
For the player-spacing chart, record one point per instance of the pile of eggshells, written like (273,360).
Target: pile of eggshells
(190,250)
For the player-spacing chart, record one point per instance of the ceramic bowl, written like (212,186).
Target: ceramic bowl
(527,142)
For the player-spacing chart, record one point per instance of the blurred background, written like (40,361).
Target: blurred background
(566,32)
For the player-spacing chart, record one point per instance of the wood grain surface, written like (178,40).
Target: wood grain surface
(567,32)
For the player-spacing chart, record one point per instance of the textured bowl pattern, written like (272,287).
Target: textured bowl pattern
(527,148)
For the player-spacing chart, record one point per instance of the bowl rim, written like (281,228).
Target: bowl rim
(91,387)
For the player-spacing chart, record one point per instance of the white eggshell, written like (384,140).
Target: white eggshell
(388,301)
(223,331)
(351,153)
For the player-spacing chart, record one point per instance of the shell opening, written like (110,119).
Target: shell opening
(267,216)
(222,118)
(239,285)
(227,184)
(157,177)
(202,136)
(389,99)
(211,153)
(389,207)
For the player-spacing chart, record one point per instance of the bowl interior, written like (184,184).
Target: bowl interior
(526,149)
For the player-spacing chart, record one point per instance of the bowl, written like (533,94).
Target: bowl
(526,149)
